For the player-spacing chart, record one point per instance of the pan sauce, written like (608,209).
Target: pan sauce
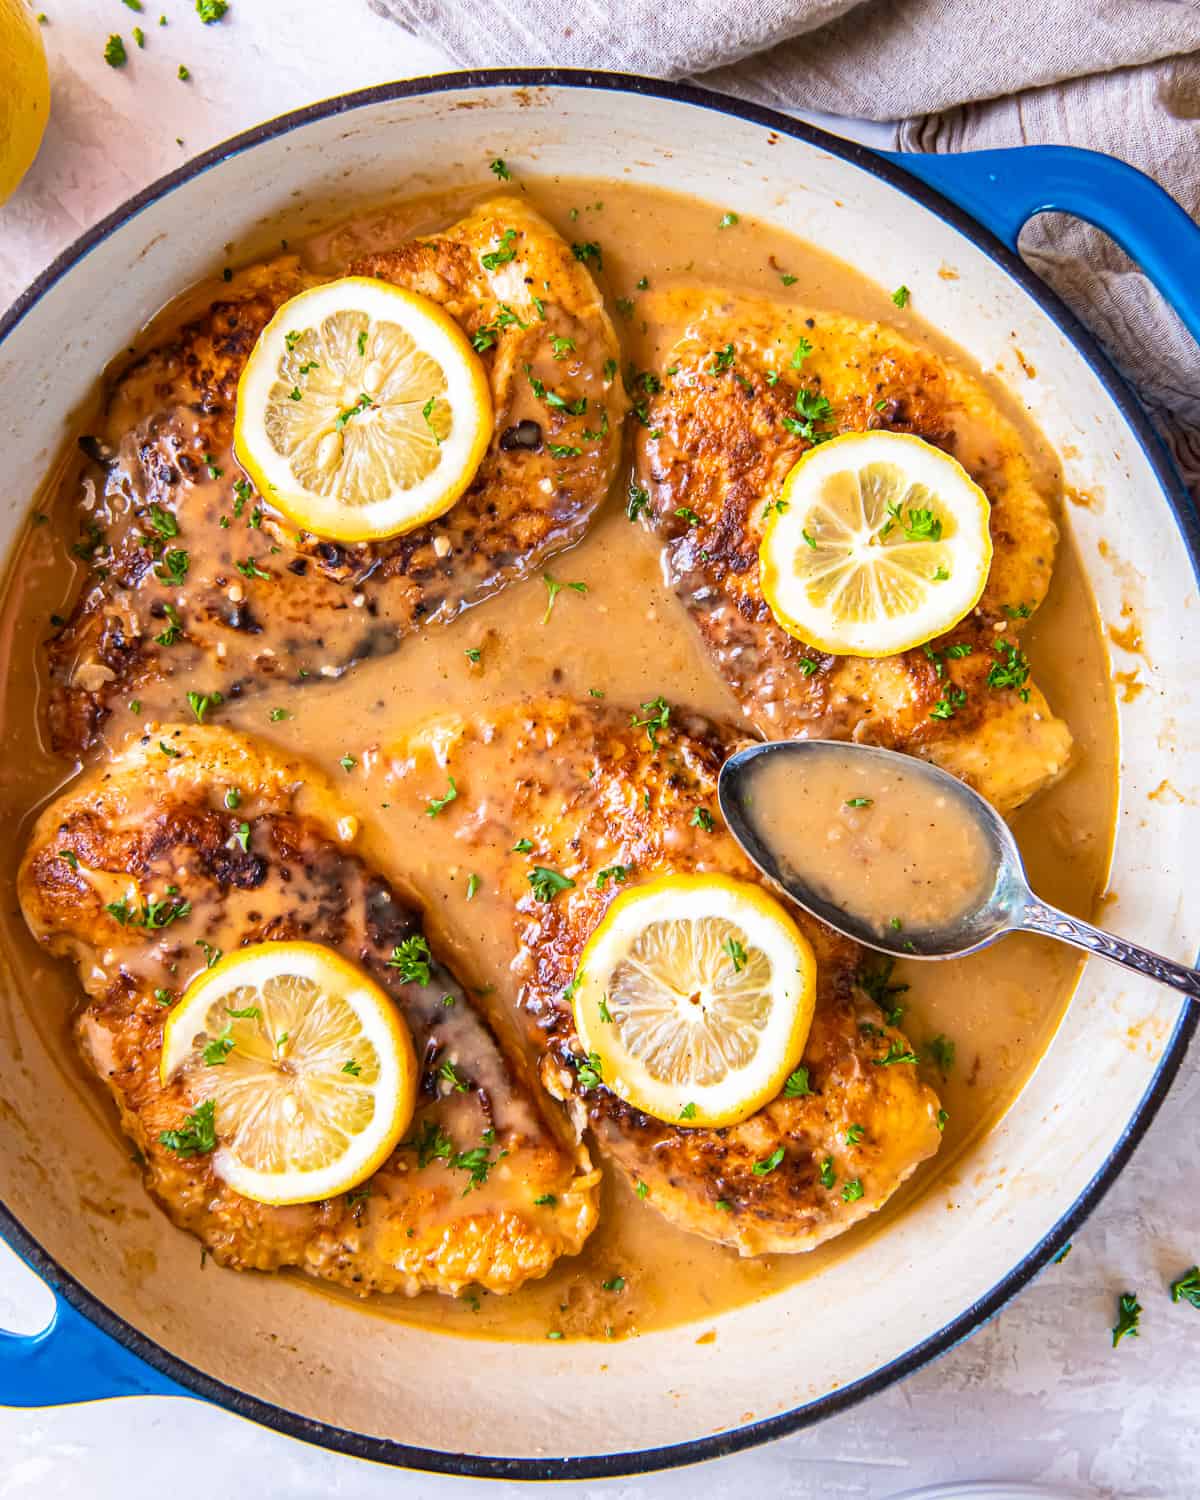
(627,637)
(875,840)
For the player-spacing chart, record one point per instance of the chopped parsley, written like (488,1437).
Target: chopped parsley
(1187,1288)
(768,1163)
(172,566)
(210,10)
(347,762)
(200,703)
(473,653)
(152,914)
(590,1072)
(589,250)
(737,954)
(554,588)
(897,1052)
(248,568)
(243,836)
(701,818)
(852,1191)
(941,1052)
(616,873)
(500,168)
(685,513)
(1011,671)
(70,857)
(277,715)
(448,1073)
(114,52)
(563,450)
(435,805)
(412,959)
(787,279)
(502,254)
(796,1086)
(1129,1312)
(616,1284)
(356,409)
(728,219)
(639,500)
(546,884)
(826,1174)
(427,417)
(522,846)
(212,955)
(949,703)
(854,1134)
(183,74)
(723,359)
(642,1190)
(688,1112)
(900,296)
(163,521)
(1018,611)
(811,408)
(473,884)
(561,345)
(217,1049)
(860,802)
(552,398)
(800,353)
(547,1200)
(943,1119)
(656,712)
(196,1136)
(174,627)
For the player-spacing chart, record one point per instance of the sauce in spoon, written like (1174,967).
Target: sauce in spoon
(872,837)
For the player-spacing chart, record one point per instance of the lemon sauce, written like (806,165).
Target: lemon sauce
(627,637)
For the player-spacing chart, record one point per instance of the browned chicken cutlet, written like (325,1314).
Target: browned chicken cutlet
(712,452)
(589,791)
(191,575)
(141,871)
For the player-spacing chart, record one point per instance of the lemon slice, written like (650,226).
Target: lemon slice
(362,411)
(309,1068)
(878,542)
(693,998)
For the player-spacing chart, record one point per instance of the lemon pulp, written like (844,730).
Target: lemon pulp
(309,1069)
(363,411)
(694,996)
(877,543)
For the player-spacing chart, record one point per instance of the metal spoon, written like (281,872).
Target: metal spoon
(1007,906)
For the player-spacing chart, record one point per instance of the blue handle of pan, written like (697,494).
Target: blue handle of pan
(1004,189)
(72,1359)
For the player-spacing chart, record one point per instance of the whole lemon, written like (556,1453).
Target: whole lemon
(24,93)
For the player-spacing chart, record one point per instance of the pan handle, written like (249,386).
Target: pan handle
(1002,189)
(71,1360)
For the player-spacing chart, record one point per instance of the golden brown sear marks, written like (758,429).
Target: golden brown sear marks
(589,790)
(712,450)
(154,830)
(192,580)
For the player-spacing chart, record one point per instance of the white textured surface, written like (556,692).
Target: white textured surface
(1037,1395)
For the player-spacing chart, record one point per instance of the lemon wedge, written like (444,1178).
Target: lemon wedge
(25,96)
(363,410)
(693,998)
(877,543)
(308,1067)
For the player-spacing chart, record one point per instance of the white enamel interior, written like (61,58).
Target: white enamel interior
(333,1362)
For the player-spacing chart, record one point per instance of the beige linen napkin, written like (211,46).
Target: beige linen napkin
(1121,76)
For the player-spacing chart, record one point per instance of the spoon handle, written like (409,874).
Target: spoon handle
(1038,917)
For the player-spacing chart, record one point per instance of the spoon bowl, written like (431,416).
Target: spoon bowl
(1002,902)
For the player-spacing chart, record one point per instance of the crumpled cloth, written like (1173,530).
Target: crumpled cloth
(1121,76)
